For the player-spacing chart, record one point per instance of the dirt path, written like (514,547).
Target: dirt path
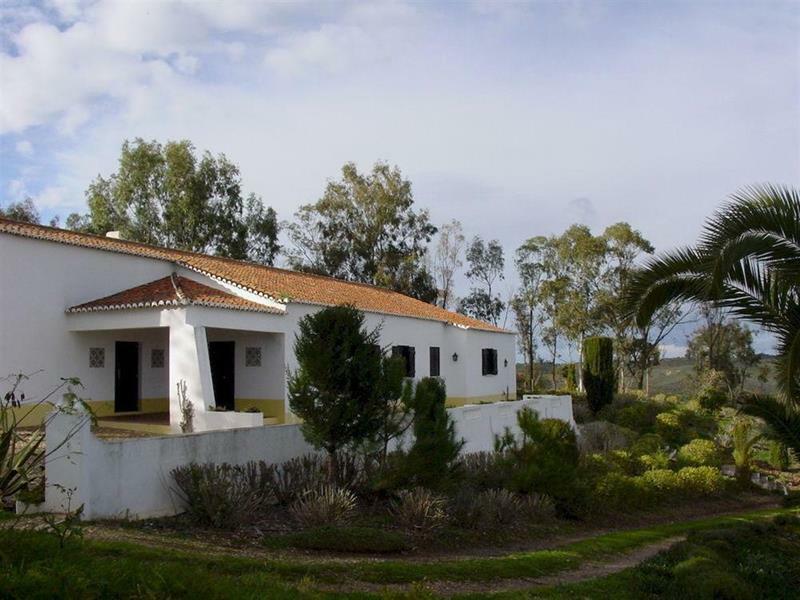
(585,572)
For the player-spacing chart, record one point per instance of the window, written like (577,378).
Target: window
(252,356)
(407,353)
(489,361)
(97,358)
(434,356)
(157,358)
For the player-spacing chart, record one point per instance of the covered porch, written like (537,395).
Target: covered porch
(146,361)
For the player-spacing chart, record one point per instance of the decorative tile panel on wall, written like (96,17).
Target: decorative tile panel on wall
(157,358)
(252,356)
(97,358)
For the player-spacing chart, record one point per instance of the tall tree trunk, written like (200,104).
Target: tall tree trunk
(333,467)
(530,350)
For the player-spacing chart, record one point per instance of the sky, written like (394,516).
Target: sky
(516,118)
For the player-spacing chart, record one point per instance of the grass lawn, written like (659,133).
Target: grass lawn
(749,562)
(33,566)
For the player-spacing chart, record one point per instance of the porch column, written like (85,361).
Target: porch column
(188,362)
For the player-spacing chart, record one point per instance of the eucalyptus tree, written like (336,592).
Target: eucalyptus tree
(582,256)
(622,247)
(747,261)
(527,303)
(447,260)
(24,210)
(165,194)
(486,264)
(364,228)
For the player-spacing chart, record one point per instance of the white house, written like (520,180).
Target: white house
(132,320)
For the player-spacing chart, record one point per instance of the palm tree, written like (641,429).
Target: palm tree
(747,261)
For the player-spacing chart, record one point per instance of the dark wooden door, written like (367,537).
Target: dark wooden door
(126,377)
(221,358)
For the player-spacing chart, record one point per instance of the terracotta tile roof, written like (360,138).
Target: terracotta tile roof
(282,285)
(171,291)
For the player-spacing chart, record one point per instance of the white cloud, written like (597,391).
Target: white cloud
(17,190)
(51,197)
(24,148)
(332,48)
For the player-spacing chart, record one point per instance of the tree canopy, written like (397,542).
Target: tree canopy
(364,228)
(168,195)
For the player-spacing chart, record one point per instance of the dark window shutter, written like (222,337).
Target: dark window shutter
(412,362)
(434,361)
(489,361)
(407,354)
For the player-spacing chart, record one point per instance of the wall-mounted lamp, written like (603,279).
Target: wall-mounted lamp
(505,362)
(455,356)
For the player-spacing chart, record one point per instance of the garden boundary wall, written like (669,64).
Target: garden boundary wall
(130,478)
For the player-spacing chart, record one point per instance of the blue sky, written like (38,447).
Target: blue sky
(516,118)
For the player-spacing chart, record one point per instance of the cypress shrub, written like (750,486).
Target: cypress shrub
(598,372)
(568,372)
(431,460)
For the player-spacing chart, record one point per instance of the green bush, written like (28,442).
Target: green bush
(713,391)
(545,461)
(348,539)
(657,460)
(430,461)
(615,491)
(681,425)
(598,371)
(700,453)
(701,577)
(639,416)
(701,481)
(668,426)
(569,374)
(647,444)
(663,483)
(778,455)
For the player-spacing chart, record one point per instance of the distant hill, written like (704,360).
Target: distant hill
(676,375)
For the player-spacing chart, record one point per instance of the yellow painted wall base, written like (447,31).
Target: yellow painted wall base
(132,426)
(272,409)
(454,401)
(32,416)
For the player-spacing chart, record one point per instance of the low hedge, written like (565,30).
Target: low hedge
(616,490)
(699,453)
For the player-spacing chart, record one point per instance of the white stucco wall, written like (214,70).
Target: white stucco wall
(38,281)
(131,477)
(41,279)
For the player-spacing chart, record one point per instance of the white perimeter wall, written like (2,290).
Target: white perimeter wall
(131,478)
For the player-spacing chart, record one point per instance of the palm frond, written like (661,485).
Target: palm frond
(782,419)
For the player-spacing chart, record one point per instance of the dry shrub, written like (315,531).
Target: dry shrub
(602,436)
(419,509)
(327,505)
(536,508)
(219,496)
